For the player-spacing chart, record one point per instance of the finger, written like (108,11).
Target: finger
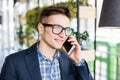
(71,39)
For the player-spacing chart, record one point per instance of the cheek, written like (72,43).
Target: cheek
(48,33)
(48,37)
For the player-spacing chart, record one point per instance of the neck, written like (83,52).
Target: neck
(46,50)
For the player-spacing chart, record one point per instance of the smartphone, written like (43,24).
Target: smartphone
(68,47)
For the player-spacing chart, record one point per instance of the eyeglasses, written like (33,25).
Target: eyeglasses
(57,29)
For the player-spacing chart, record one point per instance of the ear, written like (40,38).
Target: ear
(40,28)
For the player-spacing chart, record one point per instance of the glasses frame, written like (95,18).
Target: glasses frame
(53,25)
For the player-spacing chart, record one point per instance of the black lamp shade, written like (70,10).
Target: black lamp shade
(110,14)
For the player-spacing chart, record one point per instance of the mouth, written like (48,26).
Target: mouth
(60,41)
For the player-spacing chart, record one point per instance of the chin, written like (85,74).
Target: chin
(59,47)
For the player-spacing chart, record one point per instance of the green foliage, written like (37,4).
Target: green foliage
(81,36)
(85,2)
(118,48)
(71,5)
(20,34)
(32,17)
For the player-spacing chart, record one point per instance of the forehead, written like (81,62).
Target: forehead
(57,19)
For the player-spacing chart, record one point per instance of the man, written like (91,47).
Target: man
(45,60)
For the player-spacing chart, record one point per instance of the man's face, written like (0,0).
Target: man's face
(52,40)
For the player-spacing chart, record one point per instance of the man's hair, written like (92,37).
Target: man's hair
(53,10)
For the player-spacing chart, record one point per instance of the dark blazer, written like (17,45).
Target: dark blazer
(24,65)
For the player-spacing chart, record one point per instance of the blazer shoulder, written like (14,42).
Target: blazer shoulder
(22,53)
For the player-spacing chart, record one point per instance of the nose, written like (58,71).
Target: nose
(62,34)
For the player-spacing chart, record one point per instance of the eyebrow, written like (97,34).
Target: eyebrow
(45,24)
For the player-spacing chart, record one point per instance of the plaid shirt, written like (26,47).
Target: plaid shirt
(49,68)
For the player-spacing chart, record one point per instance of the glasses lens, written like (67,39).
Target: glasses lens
(68,31)
(57,29)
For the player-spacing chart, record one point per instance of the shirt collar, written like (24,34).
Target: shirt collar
(57,54)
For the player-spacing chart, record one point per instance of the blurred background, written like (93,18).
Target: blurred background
(18,30)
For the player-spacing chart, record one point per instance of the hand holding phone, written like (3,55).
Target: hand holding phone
(68,47)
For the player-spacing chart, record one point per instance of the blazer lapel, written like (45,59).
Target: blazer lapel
(63,67)
(33,64)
